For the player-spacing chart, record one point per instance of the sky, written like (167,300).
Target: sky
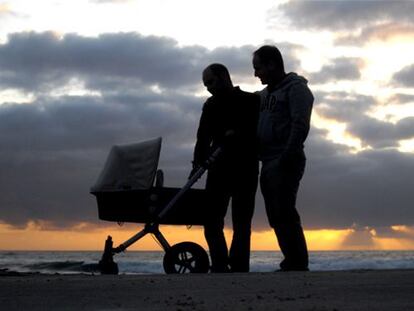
(77,77)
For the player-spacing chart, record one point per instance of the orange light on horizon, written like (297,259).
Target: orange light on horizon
(89,237)
(326,239)
(404,229)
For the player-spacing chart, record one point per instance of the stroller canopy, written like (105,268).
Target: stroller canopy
(130,167)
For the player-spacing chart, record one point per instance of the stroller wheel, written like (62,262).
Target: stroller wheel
(186,257)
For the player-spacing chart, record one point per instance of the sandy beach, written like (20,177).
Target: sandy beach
(342,290)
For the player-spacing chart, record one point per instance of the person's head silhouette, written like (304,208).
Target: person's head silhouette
(216,79)
(268,65)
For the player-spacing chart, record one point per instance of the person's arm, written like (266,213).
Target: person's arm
(300,105)
(245,127)
(204,137)
(250,122)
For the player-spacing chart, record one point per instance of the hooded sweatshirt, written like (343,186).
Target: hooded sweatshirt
(284,118)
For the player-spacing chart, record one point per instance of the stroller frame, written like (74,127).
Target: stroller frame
(184,257)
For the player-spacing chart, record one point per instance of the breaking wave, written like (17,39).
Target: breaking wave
(145,262)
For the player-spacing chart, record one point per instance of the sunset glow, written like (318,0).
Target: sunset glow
(84,237)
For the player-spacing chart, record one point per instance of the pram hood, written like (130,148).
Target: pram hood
(130,167)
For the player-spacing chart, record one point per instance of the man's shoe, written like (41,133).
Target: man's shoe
(286,266)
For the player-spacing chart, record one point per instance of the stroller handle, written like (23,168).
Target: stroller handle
(200,171)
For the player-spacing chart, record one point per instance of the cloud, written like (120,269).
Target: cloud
(359,238)
(54,147)
(54,150)
(395,232)
(382,32)
(41,62)
(381,134)
(338,69)
(343,14)
(341,189)
(370,238)
(353,111)
(401,99)
(405,77)
(343,106)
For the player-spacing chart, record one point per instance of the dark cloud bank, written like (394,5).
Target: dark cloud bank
(53,148)
(345,14)
(352,22)
(405,77)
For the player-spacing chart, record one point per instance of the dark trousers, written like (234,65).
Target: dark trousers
(223,184)
(279,182)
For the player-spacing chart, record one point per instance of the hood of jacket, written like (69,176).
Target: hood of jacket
(290,79)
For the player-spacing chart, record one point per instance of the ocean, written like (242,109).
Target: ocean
(150,262)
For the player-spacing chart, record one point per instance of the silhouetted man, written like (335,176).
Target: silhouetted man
(284,121)
(235,173)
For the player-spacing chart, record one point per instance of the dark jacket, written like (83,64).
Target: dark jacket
(236,111)
(284,118)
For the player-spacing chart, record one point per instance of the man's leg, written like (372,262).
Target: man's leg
(292,241)
(213,228)
(216,241)
(243,201)
(279,186)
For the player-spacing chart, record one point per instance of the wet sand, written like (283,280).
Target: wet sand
(342,290)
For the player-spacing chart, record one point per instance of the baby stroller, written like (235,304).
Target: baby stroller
(130,189)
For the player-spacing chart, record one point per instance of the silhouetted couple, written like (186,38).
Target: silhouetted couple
(270,126)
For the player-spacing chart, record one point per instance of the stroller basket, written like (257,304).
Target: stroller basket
(143,206)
